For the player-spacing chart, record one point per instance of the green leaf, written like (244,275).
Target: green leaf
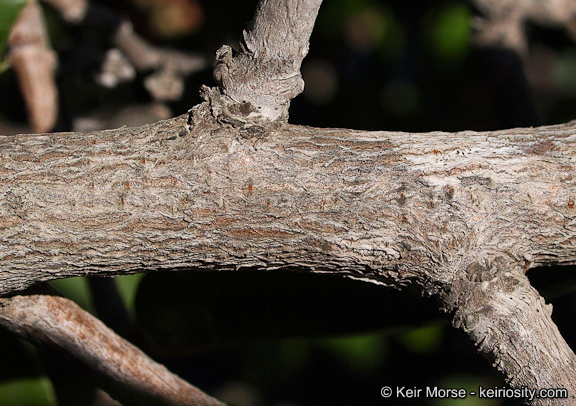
(127,286)
(75,289)
(423,340)
(9,12)
(449,34)
(365,352)
(27,392)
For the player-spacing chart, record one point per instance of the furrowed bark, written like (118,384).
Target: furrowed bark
(398,209)
(123,370)
(420,210)
(387,206)
(459,217)
(510,324)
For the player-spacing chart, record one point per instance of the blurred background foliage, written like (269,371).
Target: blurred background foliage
(254,338)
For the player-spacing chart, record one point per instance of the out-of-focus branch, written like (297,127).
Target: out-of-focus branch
(72,11)
(171,66)
(502,24)
(35,64)
(121,369)
(146,56)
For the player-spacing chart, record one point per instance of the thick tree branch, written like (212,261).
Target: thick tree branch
(398,209)
(122,370)
(366,203)
(459,217)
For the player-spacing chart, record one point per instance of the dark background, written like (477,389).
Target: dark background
(256,338)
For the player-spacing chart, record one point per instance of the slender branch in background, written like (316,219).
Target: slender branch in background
(172,67)
(502,23)
(121,369)
(35,64)
(72,11)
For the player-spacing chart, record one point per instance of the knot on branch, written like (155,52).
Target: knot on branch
(489,292)
(260,88)
(228,113)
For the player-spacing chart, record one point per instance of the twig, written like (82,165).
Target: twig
(172,66)
(503,22)
(121,369)
(35,64)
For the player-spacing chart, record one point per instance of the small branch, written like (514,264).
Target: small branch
(142,54)
(72,11)
(503,22)
(145,56)
(122,369)
(510,324)
(35,64)
(167,84)
(265,76)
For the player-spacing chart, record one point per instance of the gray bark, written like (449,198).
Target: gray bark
(380,205)
(459,217)
(274,45)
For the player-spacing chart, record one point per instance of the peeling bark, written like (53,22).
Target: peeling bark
(459,217)
(420,210)
(388,206)
(510,325)
(274,45)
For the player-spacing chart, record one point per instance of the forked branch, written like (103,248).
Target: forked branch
(209,191)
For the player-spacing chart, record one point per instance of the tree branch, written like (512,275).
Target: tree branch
(35,64)
(264,77)
(502,24)
(372,204)
(172,66)
(459,217)
(510,324)
(122,370)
